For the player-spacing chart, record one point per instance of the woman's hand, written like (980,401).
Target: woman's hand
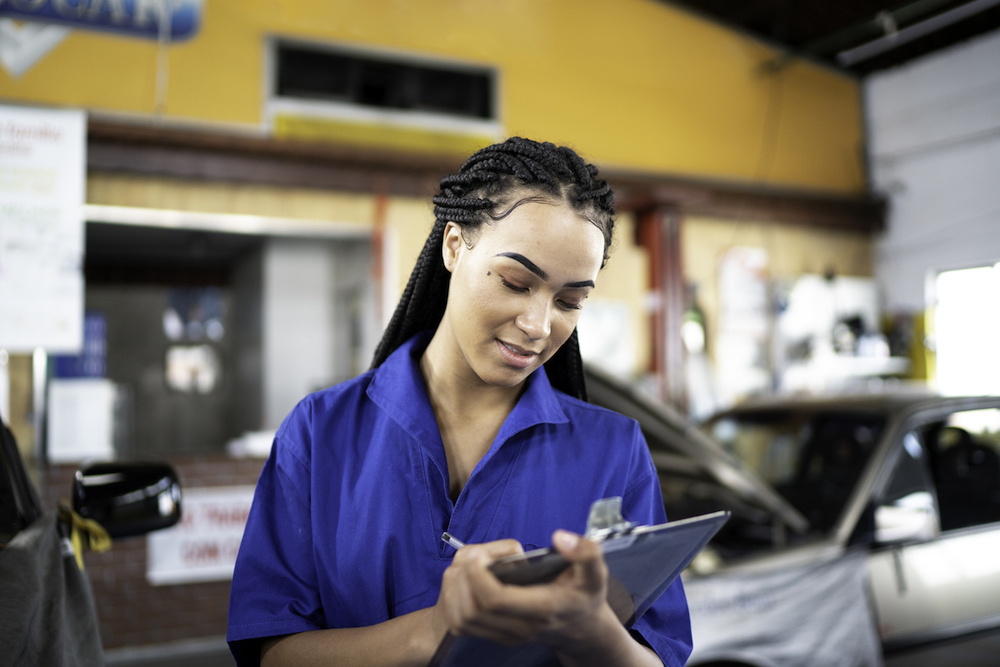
(457,603)
(571,614)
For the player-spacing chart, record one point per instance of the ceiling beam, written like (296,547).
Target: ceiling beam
(747,202)
(896,38)
(147,150)
(872,28)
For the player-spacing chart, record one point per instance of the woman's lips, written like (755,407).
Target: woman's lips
(516,356)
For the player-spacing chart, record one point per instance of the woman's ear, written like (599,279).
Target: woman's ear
(452,245)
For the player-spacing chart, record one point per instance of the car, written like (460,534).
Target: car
(864,528)
(47,614)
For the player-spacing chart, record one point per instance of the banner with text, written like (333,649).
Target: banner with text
(171,20)
(203,546)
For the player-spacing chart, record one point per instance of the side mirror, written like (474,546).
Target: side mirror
(910,518)
(128,498)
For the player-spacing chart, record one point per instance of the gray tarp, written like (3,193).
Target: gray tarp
(815,615)
(47,614)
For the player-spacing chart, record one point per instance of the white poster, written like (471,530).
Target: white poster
(81,419)
(203,546)
(42,174)
(741,347)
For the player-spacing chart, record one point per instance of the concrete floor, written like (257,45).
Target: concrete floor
(208,652)
(981,651)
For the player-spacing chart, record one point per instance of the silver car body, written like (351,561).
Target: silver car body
(922,581)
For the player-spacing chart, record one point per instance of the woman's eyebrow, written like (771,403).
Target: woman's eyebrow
(528,264)
(534,268)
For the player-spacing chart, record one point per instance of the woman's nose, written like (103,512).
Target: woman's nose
(535,322)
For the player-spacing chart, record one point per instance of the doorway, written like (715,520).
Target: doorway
(209,335)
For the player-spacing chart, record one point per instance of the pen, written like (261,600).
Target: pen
(458,544)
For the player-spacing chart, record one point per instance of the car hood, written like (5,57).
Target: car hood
(669,434)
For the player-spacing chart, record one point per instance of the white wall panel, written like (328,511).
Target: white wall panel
(934,149)
(298,300)
(317,324)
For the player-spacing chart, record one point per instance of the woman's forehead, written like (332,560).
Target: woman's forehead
(546,233)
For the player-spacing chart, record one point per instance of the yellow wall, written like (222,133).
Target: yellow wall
(791,251)
(634,84)
(625,278)
(410,221)
(214,197)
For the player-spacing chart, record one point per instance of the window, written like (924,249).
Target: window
(382,82)
(965,453)
(966,321)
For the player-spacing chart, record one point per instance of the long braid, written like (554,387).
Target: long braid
(476,194)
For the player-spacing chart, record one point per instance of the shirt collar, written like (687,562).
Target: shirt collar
(538,405)
(398,387)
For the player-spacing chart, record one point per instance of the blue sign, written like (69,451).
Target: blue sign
(137,18)
(92,361)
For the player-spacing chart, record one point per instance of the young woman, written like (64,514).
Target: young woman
(473,421)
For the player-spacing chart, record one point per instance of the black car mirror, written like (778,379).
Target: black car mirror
(128,498)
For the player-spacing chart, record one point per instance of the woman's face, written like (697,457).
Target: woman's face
(516,294)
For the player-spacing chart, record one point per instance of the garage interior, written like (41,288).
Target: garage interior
(806,208)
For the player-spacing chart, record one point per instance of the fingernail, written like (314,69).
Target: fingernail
(565,539)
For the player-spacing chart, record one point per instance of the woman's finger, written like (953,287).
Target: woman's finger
(500,548)
(588,561)
(474,601)
(495,549)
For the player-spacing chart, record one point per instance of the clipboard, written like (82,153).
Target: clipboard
(642,562)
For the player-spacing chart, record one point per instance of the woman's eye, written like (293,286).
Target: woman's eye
(513,287)
(570,305)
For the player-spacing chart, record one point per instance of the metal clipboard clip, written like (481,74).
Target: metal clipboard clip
(606,522)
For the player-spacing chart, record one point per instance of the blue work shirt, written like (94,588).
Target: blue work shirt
(345,527)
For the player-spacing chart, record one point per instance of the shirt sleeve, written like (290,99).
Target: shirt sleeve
(666,626)
(274,590)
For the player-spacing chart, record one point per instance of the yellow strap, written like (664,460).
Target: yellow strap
(97,538)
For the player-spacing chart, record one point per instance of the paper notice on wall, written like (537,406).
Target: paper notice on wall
(42,173)
(81,419)
(741,346)
(203,546)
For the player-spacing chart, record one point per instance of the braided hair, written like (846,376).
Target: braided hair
(489,186)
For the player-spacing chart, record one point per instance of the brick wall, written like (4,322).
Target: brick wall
(132,612)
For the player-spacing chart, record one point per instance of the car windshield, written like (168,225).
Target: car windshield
(812,458)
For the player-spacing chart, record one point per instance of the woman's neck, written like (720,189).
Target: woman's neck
(453,385)
(468,411)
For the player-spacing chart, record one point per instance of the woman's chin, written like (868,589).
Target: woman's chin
(504,375)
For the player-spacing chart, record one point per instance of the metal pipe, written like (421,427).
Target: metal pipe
(871,28)
(4,387)
(39,381)
(910,33)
